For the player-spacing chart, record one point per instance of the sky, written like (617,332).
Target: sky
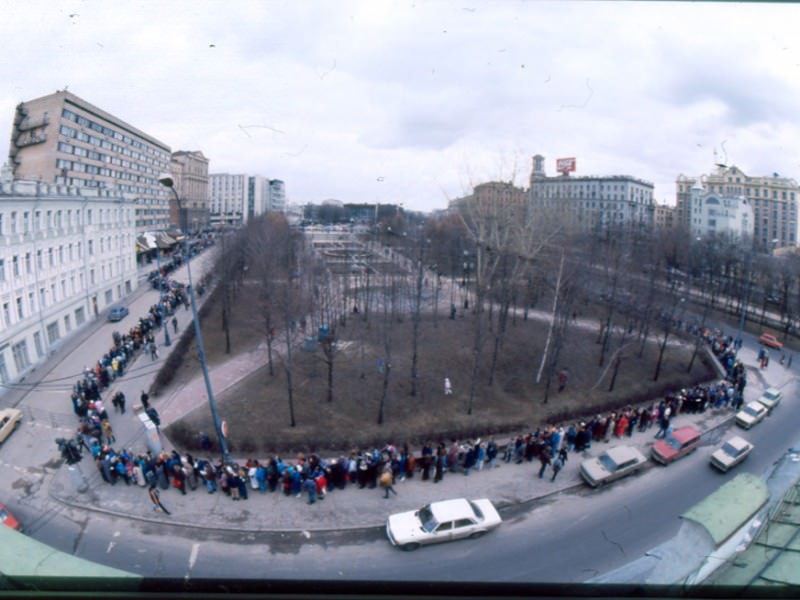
(415,102)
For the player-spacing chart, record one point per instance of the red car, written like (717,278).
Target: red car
(682,441)
(8,519)
(770,341)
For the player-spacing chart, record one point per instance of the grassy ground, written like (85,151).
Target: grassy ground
(257,408)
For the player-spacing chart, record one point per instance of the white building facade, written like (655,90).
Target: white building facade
(66,254)
(237,198)
(594,202)
(716,214)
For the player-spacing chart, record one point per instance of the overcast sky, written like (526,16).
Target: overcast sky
(414,102)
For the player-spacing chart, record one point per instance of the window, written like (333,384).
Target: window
(20,309)
(91,247)
(13,221)
(80,317)
(28,263)
(6,313)
(20,351)
(2,269)
(31,302)
(51,257)
(3,370)
(67,326)
(37,342)
(52,332)
(39,264)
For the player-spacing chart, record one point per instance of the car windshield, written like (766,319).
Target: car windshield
(426,519)
(770,395)
(753,412)
(477,510)
(730,449)
(607,462)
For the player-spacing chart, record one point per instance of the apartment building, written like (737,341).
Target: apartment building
(66,254)
(774,201)
(62,139)
(493,195)
(593,202)
(237,198)
(189,170)
(664,216)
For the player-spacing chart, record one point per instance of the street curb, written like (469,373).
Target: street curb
(501,506)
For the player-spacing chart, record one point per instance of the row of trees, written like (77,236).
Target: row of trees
(638,286)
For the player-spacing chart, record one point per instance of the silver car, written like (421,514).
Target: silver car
(612,464)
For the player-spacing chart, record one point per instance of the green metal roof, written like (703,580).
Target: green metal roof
(727,509)
(27,562)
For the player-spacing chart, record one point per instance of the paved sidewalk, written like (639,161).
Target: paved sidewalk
(351,508)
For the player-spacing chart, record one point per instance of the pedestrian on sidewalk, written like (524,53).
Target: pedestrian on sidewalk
(153,350)
(145,399)
(175,324)
(121,401)
(544,459)
(108,433)
(448,388)
(557,464)
(563,374)
(156,500)
(386,483)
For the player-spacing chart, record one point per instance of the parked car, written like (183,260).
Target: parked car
(752,414)
(770,341)
(9,420)
(117,312)
(732,452)
(612,464)
(770,398)
(681,442)
(441,522)
(8,519)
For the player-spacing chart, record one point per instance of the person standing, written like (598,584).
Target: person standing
(448,388)
(175,324)
(145,399)
(386,483)
(156,500)
(121,401)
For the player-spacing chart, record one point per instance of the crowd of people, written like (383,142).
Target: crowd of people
(95,431)
(313,476)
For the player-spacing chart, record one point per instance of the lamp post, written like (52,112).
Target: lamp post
(167,181)
(161,311)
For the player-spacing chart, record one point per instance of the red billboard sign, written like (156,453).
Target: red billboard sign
(565,165)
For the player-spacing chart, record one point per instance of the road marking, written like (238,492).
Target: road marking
(110,546)
(193,555)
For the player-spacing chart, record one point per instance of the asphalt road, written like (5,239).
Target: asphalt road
(568,538)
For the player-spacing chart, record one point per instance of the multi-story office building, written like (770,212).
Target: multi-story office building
(189,169)
(593,202)
(66,253)
(62,139)
(235,199)
(774,201)
(277,195)
(228,198)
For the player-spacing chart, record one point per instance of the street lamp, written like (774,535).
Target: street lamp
(167,181)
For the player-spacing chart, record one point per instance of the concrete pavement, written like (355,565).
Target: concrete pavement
(351,508)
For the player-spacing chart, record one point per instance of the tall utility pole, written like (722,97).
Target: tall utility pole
(167,181)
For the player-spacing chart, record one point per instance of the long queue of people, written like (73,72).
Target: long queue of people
(95,428)
(314,477)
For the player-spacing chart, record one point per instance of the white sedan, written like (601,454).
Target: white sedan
(612,464)
(733,451)
(770,398)
(441,522)
(752,414)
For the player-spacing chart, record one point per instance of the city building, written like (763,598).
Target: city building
(774,200)
(189,169)
(593,202)
(664,216)
(493,194)
(716,214)
(66,254)
(62,139)
(277,196)
(237,198)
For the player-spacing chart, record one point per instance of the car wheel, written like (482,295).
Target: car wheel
(476,535)
(410,547)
